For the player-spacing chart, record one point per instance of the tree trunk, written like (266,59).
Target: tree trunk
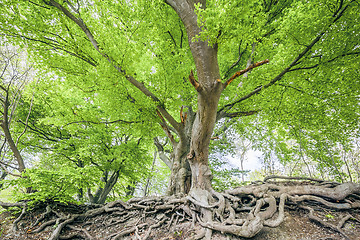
(130,189)
(2,177)
(8,137)
(209,88)
(146,189)
(180,179)
(14,149)
(102,193)
(200,139)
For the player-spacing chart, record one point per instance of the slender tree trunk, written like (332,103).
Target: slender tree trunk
(2,177)
(8,137)
(14,149)
(102,193)
(130,189)
(80,194)
(146,189)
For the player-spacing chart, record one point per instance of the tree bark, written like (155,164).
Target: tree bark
(146,188)
(14,149)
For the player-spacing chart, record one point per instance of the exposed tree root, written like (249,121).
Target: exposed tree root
(242,212)
(15,226)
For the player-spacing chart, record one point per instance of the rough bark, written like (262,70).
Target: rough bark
(14,149)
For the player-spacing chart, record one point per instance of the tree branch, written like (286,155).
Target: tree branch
(194,82)
(44,134)
(182,115)
(161,152)
(27,119)
(237,61)
(171,3)
(7,164)
(165,127)
(241,114)
(132,80)
(6,129)
(328,61)
(239,73)
(292,64)
(103,122)
(8,172)
(56,47)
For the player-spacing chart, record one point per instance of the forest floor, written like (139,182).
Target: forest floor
(269,210)
(296,226)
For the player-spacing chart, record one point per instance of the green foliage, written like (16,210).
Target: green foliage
(158,179)
(88,121)
(76,146)
(227,178)
(59,185)
(221,20)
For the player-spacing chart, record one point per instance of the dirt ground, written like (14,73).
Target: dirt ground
(295,227)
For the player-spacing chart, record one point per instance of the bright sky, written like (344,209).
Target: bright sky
(252,161)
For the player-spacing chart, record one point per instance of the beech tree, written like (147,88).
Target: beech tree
(147,53)
(187,64)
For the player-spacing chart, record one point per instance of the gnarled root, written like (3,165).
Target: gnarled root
(242,211)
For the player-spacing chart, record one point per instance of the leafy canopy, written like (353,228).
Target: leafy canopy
(316,101)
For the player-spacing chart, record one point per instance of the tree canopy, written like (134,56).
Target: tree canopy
(147,64)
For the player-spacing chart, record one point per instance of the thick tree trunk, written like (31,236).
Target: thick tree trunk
(200,140)
(209,88)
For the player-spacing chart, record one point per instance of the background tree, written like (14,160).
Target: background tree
(15,75)
(75,140)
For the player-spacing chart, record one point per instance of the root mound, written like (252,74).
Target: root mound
(292,208)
